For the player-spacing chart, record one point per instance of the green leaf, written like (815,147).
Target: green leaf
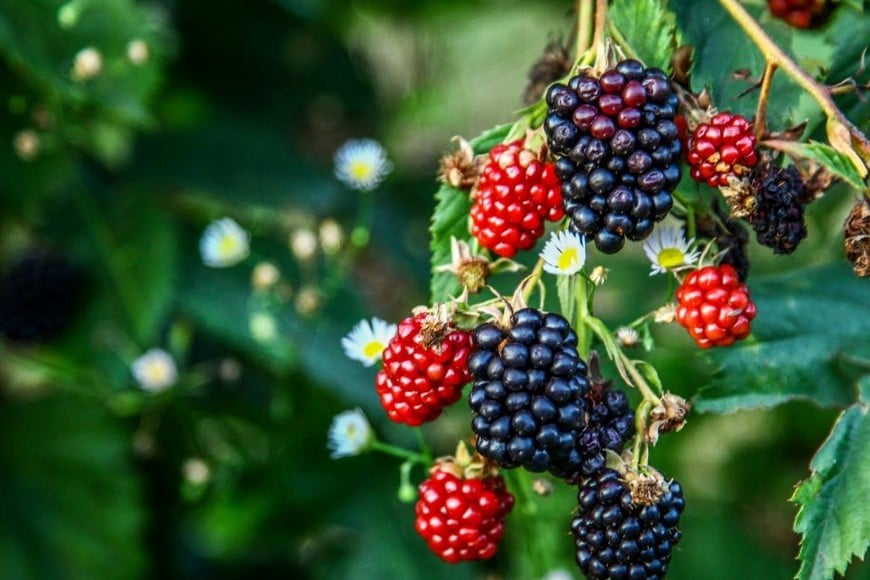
(566,286)
(810,341)
(69,493)
(450,219)
(857,5)
(649,27)
(835,161)
(834,514)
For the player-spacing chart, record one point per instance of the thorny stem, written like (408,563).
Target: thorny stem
(774,54)
(761,110)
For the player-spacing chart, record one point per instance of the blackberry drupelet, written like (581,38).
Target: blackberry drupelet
(723,148)
(617,149)
(620,534)
(528,393)
(610,421)
(39,297)
(778,219)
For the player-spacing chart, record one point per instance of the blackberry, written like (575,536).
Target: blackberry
(618,151)
(778,219)
(610,421)
(39,297)
(528,393)
(627,531)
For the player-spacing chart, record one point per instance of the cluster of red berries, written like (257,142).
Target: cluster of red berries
(721,148)
(800,13)
(714,306)
(515,195)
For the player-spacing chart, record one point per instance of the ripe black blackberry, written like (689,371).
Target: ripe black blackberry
(528,393)
(38,298)
(778,219)
(610,421)
(627,530)
(617,149)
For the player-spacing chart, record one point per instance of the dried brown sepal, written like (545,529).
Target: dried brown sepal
(857,238)
(471,271)
(542,487)
(436,326)
(669,415)
(460,168)
(741,200)
(681,64)
(645,488)
(554,63)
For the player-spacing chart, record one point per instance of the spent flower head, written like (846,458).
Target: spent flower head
(224,243)
(349,434)
(669,250)
(155,370)
(564,254)
(367,340)
(362,164)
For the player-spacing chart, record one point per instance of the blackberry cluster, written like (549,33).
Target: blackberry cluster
(528,393)
(778,219)
(610,421)
(39,296)
(618,151)
(618,537)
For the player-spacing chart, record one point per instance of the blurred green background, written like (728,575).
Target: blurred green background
(237,111)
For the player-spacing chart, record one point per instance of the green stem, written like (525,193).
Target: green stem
(585,12)
(584,339)
(399,452)
(424,447)
(362,229)
(626,366)
(621,41)
(640,429)
(775,55)
(532,280)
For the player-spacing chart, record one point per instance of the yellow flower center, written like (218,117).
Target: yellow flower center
(227,245)
(373,349)
(671,258)
(156,373)
(360,170)
(567,259)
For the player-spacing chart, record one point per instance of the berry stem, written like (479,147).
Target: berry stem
(820,93)
(399,452)
(531,281)
(760,123)
(640,433)
(585,19)
(582,297)
(621,42)
(627,367)
(600,24)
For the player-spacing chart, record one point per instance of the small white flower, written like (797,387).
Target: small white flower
(196,471)
(367,341)
(155,370)
(224,243)
(559,574)
(265,276)
(362,164)
(349,434)
(627,336)
(137,51)
(564,254)
(331,236)
(667,249)
(303,244)
(27,144)
(87,64)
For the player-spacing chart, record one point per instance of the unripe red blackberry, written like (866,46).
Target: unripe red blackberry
(461,517)
(627,528)
(618,151)
(424,368)
(714,306)
(800,13)
(515,195)
(39,297)
(722,148)
(778,219)
(528,393)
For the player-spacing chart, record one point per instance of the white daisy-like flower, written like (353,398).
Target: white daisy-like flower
(87,64)
(224,243)
(367,340)
(155,370)
(362,164)
(564,254)
(349,434)
(668,250)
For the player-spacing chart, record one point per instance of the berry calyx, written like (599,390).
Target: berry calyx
(722,148)
(460,512)
(778,217)
(424,368)
(618,151)
(626,526)
(714,306)
(516,194)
